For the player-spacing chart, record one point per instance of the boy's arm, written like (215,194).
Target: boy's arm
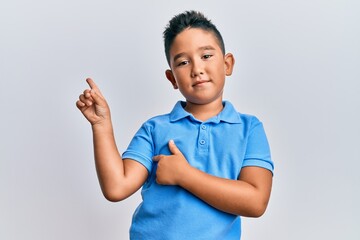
(118,179)
(247,196)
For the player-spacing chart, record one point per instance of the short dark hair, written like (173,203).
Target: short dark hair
(189,19)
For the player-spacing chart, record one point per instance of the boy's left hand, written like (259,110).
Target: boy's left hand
(171,168)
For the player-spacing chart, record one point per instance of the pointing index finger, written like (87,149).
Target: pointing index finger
(92,84)
(94,87)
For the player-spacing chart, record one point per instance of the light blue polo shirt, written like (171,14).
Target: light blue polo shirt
(221,146)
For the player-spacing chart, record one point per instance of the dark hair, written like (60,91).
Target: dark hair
(188,19)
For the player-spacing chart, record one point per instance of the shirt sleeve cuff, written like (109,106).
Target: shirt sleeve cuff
(259,163)
(139,158)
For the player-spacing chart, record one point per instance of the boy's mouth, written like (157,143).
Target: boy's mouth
(200,82)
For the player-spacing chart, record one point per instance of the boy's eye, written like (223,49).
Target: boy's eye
(182,63)
(206,56)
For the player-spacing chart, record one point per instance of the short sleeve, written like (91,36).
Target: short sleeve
(141,147)
(258,150)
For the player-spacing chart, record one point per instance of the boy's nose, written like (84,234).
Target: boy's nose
(197,69)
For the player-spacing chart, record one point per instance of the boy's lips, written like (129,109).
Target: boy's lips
(199,82)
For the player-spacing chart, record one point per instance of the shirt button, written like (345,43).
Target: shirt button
(203,127)
(202,142)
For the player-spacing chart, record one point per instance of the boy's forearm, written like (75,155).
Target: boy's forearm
(247,196)
(108,162)
(237,197)
(118,178)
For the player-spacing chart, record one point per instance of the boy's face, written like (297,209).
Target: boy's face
(198,66)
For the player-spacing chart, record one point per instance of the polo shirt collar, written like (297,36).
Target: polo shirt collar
(228,114)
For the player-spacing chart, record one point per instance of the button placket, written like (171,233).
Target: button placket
(203,137)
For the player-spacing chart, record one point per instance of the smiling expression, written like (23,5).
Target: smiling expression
(198,66)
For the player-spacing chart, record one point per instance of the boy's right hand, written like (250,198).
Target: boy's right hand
(93,105)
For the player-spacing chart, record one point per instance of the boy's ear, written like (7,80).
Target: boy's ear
(229,63)
(171,78)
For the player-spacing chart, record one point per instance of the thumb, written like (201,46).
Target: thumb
(173,148)
(97,97)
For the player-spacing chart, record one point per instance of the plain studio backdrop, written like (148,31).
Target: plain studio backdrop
(297,69)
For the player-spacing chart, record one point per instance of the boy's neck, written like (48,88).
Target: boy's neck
(204,112)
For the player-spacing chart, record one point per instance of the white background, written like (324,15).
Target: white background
(297,69)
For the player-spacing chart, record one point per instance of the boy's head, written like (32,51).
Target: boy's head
(196,56)
(186,20)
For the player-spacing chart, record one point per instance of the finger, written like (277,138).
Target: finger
(173,148)
(87,93)
(93,86)
(157,158)
(87,101)
(98,99)
(91,83)
(80,104)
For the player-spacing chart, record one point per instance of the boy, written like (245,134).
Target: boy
(202,165)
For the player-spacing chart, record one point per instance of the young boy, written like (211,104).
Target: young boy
(202,165)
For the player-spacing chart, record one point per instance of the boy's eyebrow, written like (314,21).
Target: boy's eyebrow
(208,47)
(179,55)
